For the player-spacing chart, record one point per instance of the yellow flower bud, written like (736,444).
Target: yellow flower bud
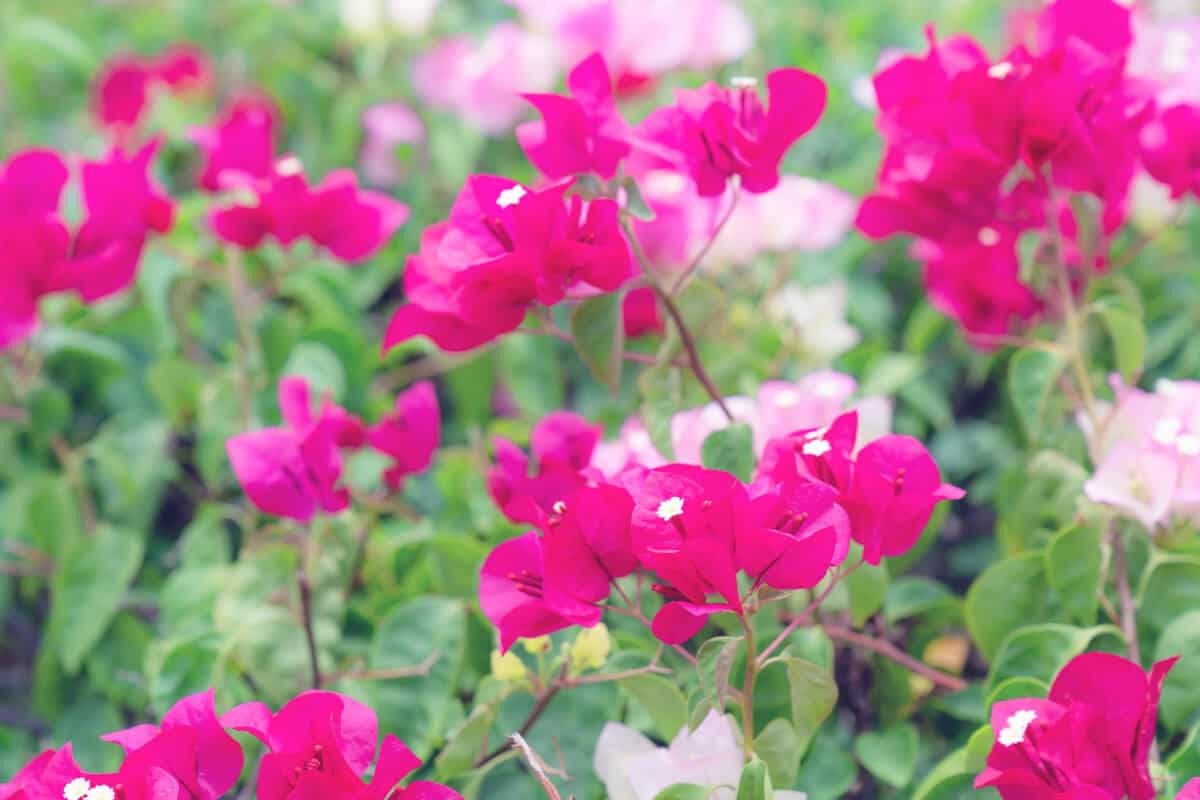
(535,646)
(590,648)
(507,666)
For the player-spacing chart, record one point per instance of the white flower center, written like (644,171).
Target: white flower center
(559,507)
(670,508)
(827,388)
(76,789)
(100,793)
(1167,430)
(816,433)
(640,440)
(786,399)
(1188,444)
(1001,71)
(511,196)
(1177,51)
(743,82)
(1015,727)
(289,165)
(816,447)
(989,237)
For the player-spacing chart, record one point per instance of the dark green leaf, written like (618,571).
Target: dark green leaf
(599,333)
(732,450)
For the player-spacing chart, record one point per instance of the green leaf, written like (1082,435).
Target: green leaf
(890,754)
(1129,340)
(868,587)
(889,373)
(951,778)
(86,591)
(1073,562)
(979,747)
(599,333)
(1040,651)
(732,450)
(684,791)
(755,783)
(714,662)
(1181,691)
(662,699)
(661,389)
(466,742)
(1007,595)
(1170,588)
(911,596)
(814,694)
(829,771)
(176,384)
(1031,378)
(635,201)
(779,746)
(1015,689)
(320,366)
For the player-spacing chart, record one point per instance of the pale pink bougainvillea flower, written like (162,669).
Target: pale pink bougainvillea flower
(633,768)
(482,82)
(1190,790)
(386,128)
(1091,737)
(583,133)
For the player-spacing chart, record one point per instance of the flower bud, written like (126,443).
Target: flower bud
(537,645)
(507,666)
(590,648)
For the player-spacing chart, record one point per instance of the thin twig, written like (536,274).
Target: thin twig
(13,414)
(69,459)
(539,708)
(805,616)
(1128,606)
(893,653)
(307,616)
(393,673)
(685,335)
(556,332)
(636,613)
(535,763)
(704,251)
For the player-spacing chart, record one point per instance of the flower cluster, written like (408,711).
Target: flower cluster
(124,88)
(1147,453)
(507,247)
(295,470)
(318,746)
(271,196)
(41,254)
(981,154)
(481,81)
(1091,736)
(711,540)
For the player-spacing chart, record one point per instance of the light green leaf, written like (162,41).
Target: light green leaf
(1031,378)
(814,694)
(599,332)
(868,587)
(714,662)
(778,745)
(889,754)
(662,699)
(86,591)
(1073,562)
(1040,651)
(1007,595)
(731,450)
(1181,691)
(684,791)
(755,783)
(1129,340)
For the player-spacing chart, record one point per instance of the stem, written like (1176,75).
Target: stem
(556,332)
(239,295)
(685,335)
(386,674)
(805,616)
(748,690)
(893,653)
(539,708)
(69,459)
(13,414)
(695,264)
(1127,604)
(636,613)
(306,614)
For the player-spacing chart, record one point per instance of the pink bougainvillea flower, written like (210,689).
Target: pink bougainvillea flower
(190,751)
(482,82)
(1190,790)
(26,776)
(725,132)
(517,598)
(685,525)
(125,85)
(388,127)
(352,224)
(797,532)
(293,471)
(580,134)
(1090,738)
(321,744)
(409,434)
(1171,149)
(238,148)
(640,314)
(896,486)
(1138,481)
(562,446)
(824,454)
(587,542)
(505,247)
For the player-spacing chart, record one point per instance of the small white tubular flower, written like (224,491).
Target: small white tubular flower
(1188,445)
(670,508)
(816,447)
(76,789)
(100,793)
(511,196)
(1166,431)
(1015,727)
